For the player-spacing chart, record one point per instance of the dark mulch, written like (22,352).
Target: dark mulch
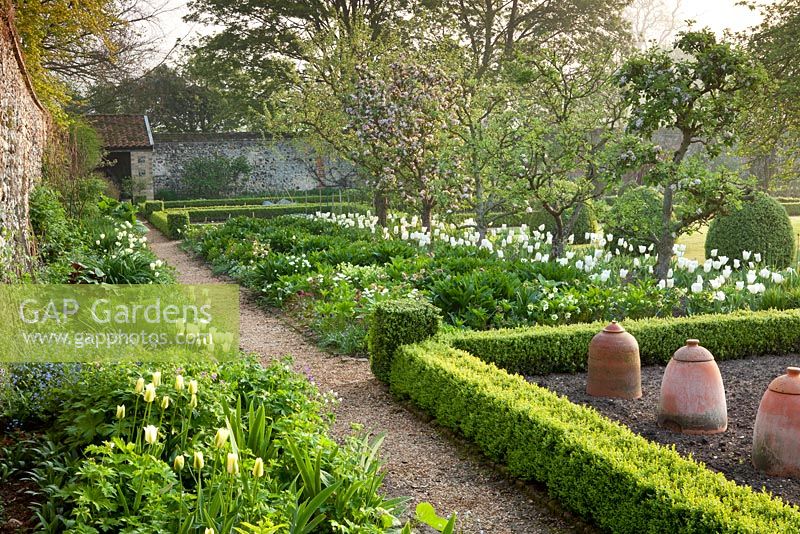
(15,505)
(729,453)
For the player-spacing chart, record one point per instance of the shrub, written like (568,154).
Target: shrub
(177,222)
(759,225)
(152,205)
(563,349)
(211,177)
(593,466)
(586,223)
(394,323)
(55,234)
(634,215)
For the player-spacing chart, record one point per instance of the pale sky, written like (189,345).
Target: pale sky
(716,14)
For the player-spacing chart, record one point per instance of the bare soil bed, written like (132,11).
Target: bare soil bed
(729,452)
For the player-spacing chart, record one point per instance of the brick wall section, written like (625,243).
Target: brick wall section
(276,165)
(23,130)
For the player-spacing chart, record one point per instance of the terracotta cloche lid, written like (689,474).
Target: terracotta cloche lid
(614,328)
(693,352)
(789,383)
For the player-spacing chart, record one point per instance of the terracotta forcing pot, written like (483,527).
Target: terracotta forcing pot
(614,366)
(776,435)
(692,394)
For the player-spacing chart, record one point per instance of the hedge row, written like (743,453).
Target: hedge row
(792,208)
(563,349)
(596,467)
(311,196)
(223,213)
(170,223)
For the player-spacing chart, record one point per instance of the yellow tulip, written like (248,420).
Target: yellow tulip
(179,462)
(150,434)
(139,385)
(149,393)
(258,468)
(221,437)
(179,383)
(192,386)
(193,402)
(157,378)
(209,530)
(121,411)
(232,464)
(198,461)
(165,402)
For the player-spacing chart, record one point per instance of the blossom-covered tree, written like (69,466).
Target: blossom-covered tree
(400,113)
(698,90)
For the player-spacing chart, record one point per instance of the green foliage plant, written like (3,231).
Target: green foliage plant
(213,176)
(634,215)
(760,225)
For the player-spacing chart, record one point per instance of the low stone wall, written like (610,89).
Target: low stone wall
(23,131)
(280,165)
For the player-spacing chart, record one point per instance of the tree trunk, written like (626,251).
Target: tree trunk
(664,251)
(668,234)
(667,240)
(381,204)
(557,249)
(427,215)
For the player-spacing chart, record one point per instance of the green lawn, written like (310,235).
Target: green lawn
(695,243)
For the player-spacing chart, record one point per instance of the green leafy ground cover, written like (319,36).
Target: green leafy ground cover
(334,269)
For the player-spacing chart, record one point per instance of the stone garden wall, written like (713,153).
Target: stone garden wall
(279,165)
(23,131)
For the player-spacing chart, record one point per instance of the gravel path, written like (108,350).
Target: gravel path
(421,461)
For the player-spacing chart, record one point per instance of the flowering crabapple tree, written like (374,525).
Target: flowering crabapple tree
(698,89)
(399,114)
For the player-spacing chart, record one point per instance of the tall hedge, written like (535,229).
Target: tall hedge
(759,225)
(394,323)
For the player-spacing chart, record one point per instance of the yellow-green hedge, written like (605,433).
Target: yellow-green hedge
(596,467)
(563,349)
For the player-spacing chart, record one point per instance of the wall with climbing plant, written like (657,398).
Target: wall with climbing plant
(23,131)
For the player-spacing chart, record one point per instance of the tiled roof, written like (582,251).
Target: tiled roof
(122,131)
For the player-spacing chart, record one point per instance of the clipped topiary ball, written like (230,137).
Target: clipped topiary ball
(760,225)
(586,223)
(634,215)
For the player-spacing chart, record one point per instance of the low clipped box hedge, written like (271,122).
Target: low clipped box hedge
(792,208)
(177,222)
(159,220)
(564,349)
(223,213)
(151,206)
(759,225)
(395,323)
(297,197)
(595,467)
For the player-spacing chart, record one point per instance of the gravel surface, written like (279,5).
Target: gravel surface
(422,461)
(729,452)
